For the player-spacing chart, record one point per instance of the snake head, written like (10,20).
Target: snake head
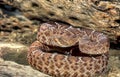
(94,43)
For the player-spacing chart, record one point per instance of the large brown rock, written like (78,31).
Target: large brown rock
(102,15)
(12,69)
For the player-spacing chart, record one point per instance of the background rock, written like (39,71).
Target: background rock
(12,69)
(101,15)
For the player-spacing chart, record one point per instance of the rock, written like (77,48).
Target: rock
(100,15)
(17,28)
(114,66)
(12,69)
(14,52)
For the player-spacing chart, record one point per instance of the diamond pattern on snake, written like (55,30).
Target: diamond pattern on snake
(62,50)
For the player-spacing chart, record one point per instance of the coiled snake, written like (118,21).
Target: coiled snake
(65,51)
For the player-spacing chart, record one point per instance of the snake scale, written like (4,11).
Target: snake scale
(65,51)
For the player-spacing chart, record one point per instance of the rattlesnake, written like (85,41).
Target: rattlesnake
(66,51)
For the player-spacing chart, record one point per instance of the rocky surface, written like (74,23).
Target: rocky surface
(101,15)
(12,69)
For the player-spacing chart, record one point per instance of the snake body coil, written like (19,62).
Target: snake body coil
(64,51)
